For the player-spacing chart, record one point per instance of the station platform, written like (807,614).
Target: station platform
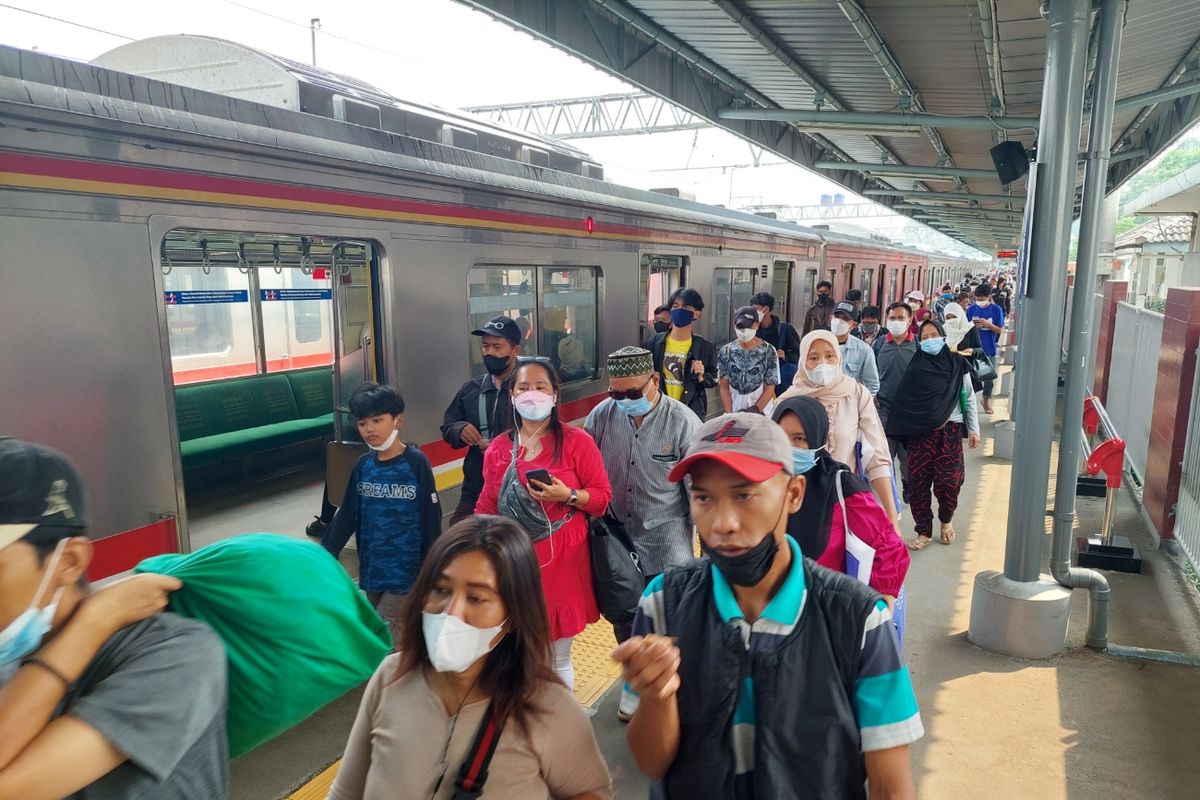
(1077,726)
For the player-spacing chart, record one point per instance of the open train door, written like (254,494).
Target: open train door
(355,354)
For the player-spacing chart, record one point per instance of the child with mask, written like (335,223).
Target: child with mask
(391,504)
(748,367)
(473,657)
(754,671)
(101,696)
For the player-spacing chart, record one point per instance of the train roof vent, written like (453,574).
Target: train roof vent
(235,70)
(672,191)
(820,227)
(767,214)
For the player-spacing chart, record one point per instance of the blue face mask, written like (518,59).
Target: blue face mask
(25,633)
(803,459)
(636,408)
(933,346)
(682,317)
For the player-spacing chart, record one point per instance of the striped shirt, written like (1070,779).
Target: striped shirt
(655,511)
(884,703)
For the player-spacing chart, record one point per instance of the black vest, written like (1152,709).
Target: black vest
(807,744)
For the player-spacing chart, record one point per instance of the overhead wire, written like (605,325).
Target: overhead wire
(67,22)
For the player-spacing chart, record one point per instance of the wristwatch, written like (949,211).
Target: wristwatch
(574,498)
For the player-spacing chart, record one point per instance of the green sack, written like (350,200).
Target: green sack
(298,631)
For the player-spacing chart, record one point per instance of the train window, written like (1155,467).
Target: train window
(781,289)
(732,288)
(243,303)
(297,317)
(568,312)
(866,281)
(502,291)
(659,277)
(208,322)
(890,293)
(808,289)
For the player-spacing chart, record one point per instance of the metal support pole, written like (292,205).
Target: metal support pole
(1042,310)
(1079,342)
(1110,513)
(313,25)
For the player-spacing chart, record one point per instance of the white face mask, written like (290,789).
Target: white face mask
(822,374)
(839,327)
(744,334)
(388,442)
(762,315)
(897,327)
(23,635)
(452,644)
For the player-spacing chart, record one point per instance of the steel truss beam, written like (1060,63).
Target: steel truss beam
(593,117)
(820,212)
(917,195)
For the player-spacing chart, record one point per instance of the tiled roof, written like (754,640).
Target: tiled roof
(1158,230)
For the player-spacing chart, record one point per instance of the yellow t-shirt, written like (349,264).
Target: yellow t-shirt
(674,362)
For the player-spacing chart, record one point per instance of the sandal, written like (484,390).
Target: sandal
(947,533)
(920,543)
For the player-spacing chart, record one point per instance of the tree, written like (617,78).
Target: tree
(1182,157)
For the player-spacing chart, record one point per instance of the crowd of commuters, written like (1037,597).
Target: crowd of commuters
(103,694)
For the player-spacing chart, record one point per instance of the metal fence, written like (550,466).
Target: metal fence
(1133,376)
(1187,511)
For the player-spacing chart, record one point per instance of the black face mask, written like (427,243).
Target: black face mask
(496,365)
(824,299)
(749,568)
(661,327)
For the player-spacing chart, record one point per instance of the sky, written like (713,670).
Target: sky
(441,52)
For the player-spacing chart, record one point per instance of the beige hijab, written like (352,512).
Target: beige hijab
(840,386)
(831,394)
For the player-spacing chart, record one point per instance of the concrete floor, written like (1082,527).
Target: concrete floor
(1079,726)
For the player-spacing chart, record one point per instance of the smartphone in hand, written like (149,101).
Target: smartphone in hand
(542,476)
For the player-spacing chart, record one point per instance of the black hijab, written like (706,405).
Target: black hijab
(810,525)
(929,391)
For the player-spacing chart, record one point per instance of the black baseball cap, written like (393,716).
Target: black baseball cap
(745,317)
(846,308)
(39,487)
(500,326)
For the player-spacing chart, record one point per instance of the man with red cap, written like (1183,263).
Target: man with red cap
(754,672)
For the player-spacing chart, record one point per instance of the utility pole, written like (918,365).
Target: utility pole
(314,25)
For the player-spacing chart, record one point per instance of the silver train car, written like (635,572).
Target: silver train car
(171,256)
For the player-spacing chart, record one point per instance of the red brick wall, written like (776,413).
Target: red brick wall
(1114,292)
(1172,405)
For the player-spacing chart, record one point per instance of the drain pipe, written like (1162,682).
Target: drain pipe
(1108,52)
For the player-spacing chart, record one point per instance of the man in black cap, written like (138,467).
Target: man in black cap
(482,409)
(100,694)
(858,359)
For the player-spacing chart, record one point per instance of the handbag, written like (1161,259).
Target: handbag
(617,577)
(983,368)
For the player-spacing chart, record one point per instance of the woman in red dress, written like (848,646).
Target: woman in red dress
(555,514)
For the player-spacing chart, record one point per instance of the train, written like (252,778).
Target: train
(163,243)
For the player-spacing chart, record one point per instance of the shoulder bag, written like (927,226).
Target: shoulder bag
(617,577)
(473,773)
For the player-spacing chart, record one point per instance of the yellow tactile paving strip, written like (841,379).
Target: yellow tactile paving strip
(594,673)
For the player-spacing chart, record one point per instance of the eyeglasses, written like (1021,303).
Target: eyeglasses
(630,394)
(533,360)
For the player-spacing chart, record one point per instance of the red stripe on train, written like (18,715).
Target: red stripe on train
(122,551)
(188,181)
